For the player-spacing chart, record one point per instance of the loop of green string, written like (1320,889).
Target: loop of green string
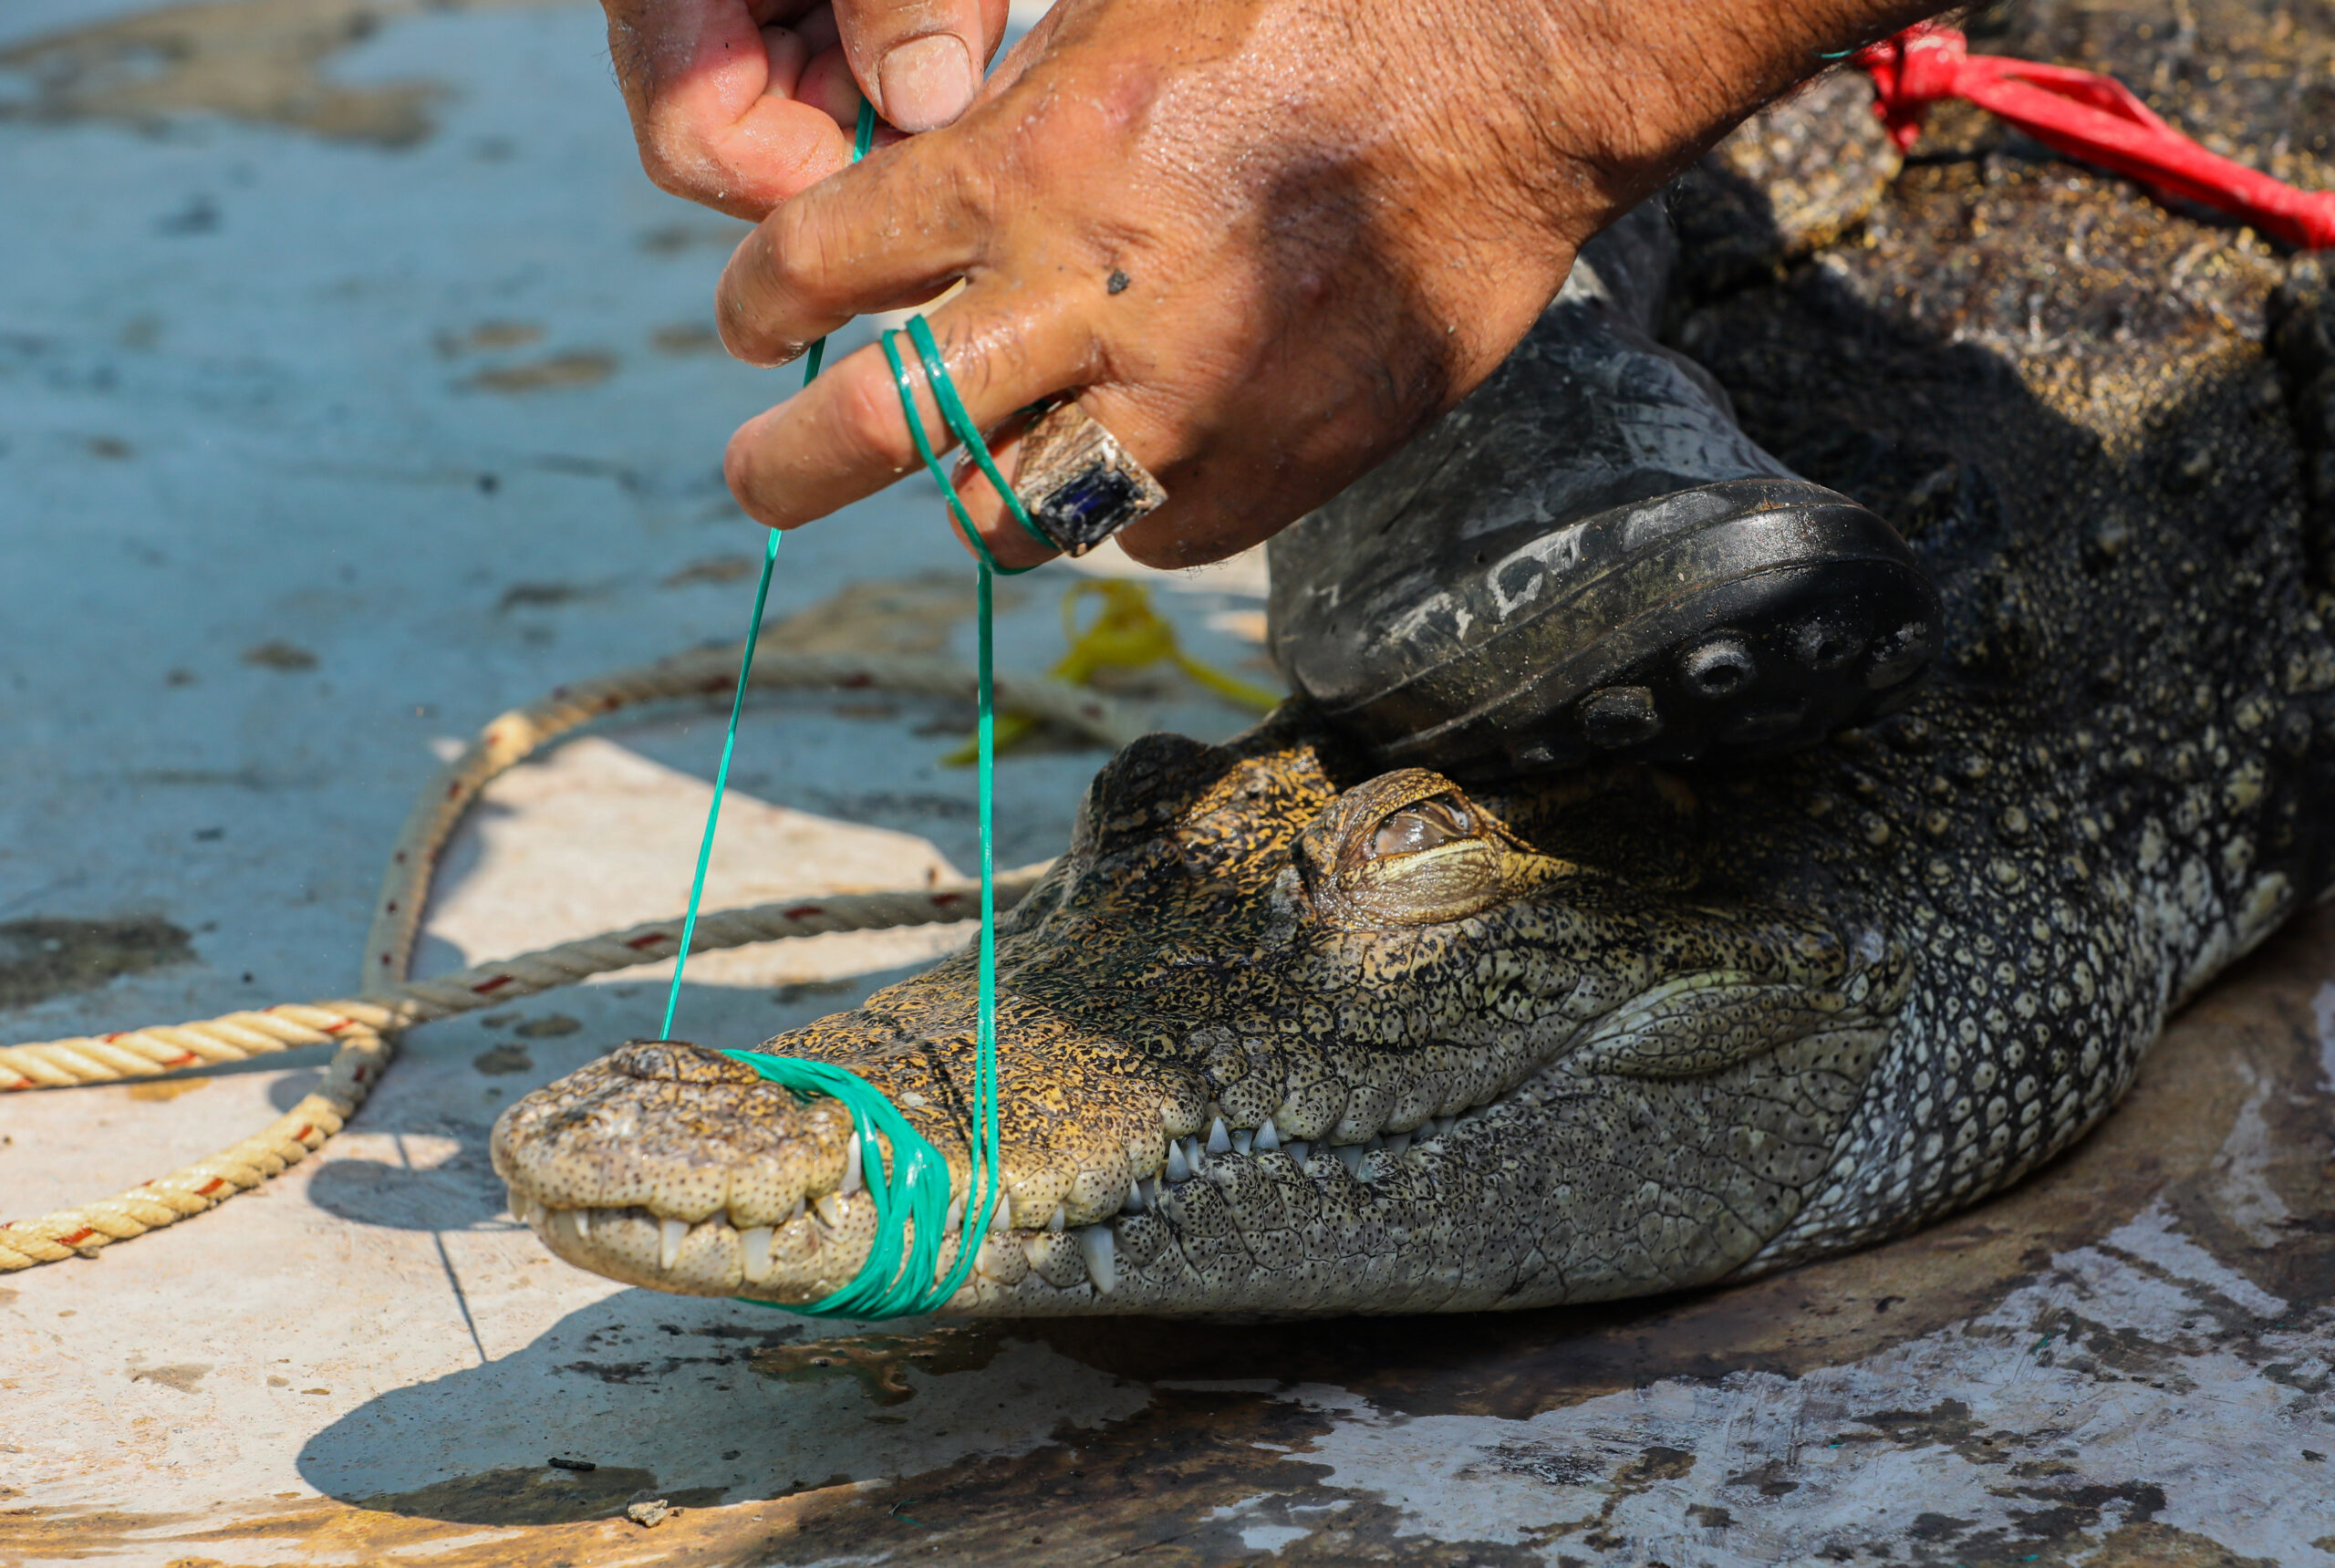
(910,1190)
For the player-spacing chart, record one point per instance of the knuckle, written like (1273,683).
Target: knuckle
(664,172)
(740,473)
(868,425)
(675,161)
(744,305)
(795,251)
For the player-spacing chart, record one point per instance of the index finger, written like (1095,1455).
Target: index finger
(894,230)
(713,89)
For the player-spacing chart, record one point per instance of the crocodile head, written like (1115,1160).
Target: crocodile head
(1281,1035)
(1276,1037)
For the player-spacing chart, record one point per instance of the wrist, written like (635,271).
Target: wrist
(1633,90)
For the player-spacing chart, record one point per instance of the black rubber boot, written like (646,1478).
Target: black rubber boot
(1588,559)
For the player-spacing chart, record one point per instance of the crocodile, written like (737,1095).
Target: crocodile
(1280,1035)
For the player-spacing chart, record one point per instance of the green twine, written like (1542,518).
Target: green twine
(910,1192)
(865,134)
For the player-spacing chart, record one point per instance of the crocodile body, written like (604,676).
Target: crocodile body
(1611,1034)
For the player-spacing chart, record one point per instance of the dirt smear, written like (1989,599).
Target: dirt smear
(263,62)
(44,958)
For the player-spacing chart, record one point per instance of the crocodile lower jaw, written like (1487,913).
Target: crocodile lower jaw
(1052,1266)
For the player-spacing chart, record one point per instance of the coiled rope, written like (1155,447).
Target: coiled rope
(365,1026)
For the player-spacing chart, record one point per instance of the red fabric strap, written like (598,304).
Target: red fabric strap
(2085,116)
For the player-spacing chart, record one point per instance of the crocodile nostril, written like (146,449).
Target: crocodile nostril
(679,1062)
(1718,668)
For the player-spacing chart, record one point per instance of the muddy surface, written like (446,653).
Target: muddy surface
(44,958)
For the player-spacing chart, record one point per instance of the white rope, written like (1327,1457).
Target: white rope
(366,1027)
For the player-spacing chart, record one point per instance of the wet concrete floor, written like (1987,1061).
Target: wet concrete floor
(354,386)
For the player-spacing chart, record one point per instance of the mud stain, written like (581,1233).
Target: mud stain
(320,1530)
(182,1375)
(263,62)
(278,654)
(880,1362)
(535,1495)
(715,569)
(579,368)
(710,232)
(2148,1544)
(44,958)
(1201,1476)
(486,336)
(688,338)
(167,1089)
(503,1058)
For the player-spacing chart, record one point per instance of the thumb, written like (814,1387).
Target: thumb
(919,61)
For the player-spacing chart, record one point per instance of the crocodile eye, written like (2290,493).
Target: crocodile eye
(1421,827)
(1408,849)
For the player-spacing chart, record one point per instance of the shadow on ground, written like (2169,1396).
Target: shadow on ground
(959,1434)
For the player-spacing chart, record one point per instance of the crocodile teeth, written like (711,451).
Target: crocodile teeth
(670,1237)
(1241,1141)
(1268,1137)
(852,1179)
(956,1216)
(1101,1257)
(1134,1201)
(582,1224)
(1219,1140)
(830,1209)
(1176,1170)
(1297,1148)
(1193,1157)
(1396,1143)
(1054,1221)
(753,1253)
(1350,1155)
(1001,1214)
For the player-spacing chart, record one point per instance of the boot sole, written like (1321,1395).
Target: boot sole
(1768,616)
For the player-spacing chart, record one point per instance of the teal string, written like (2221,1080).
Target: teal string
(859,144)
(952,409)
(912,1193)
(721,784)
(912,1190)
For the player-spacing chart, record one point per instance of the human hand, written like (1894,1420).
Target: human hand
(1262,240)
(739,104)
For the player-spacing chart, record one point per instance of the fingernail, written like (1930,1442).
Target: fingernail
(927,83)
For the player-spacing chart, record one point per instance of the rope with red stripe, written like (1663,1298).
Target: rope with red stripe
(2084,115)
